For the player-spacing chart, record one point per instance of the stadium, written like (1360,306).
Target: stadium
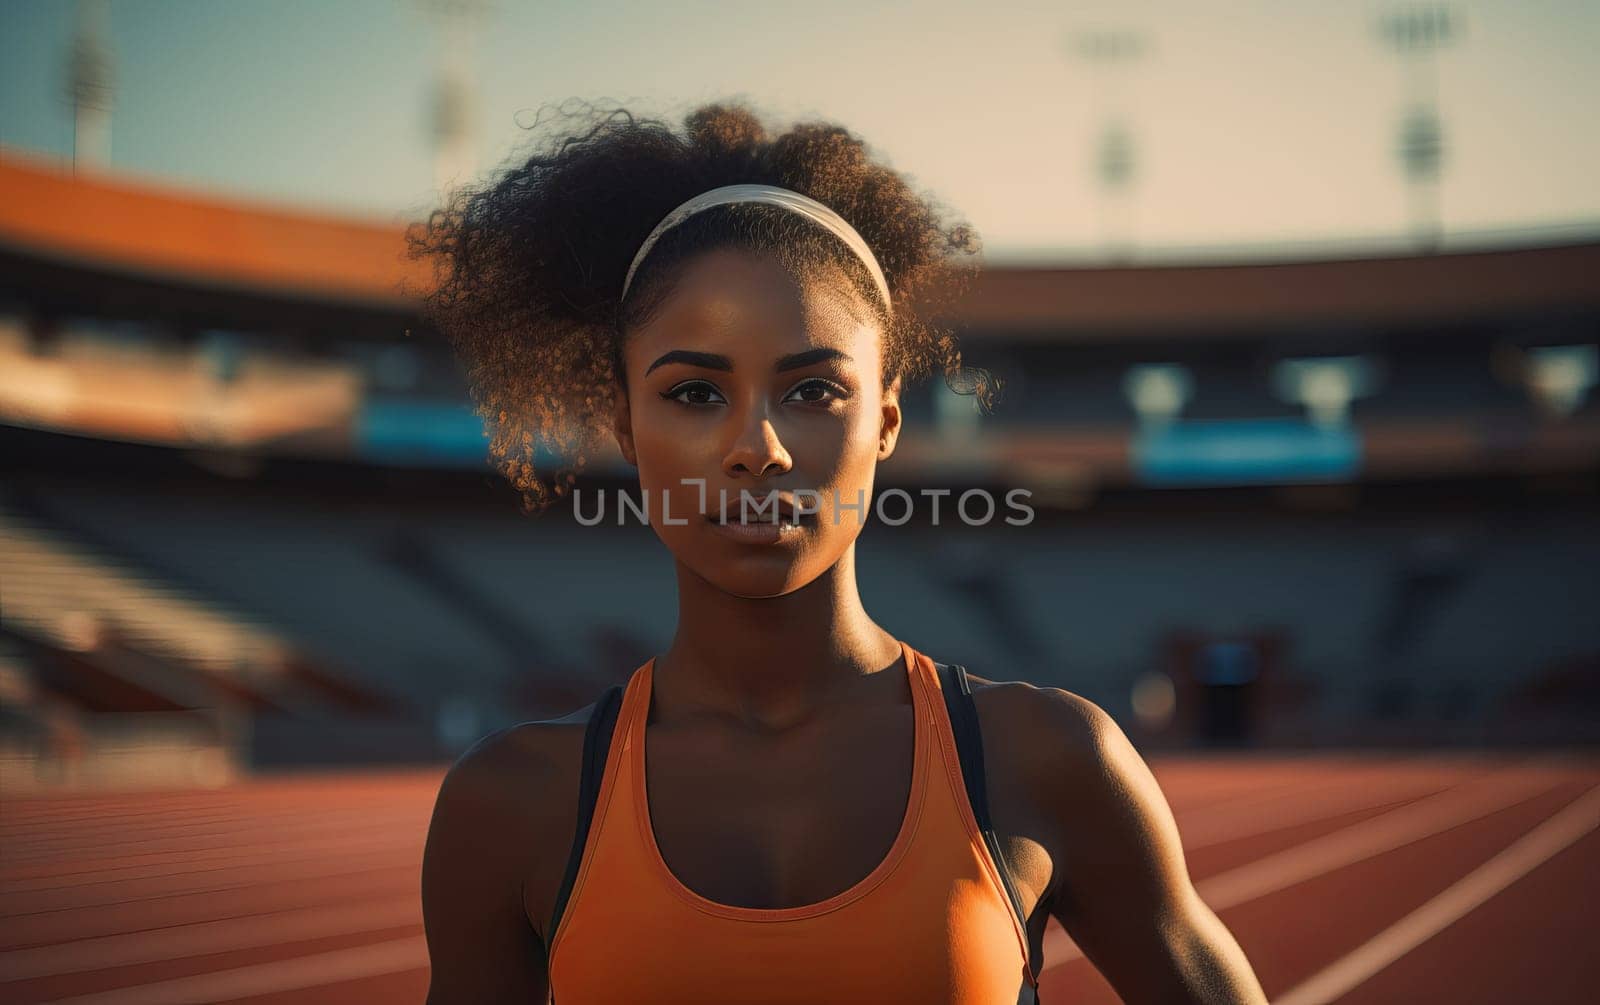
(1319,531)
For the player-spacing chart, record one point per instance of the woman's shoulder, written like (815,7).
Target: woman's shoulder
(1061,759)
(504,820)
(1048,738)
(1051,714)
(520,781)
(533,753)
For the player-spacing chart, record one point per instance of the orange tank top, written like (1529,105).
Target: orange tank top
(932,923)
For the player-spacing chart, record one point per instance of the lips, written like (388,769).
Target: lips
(760,510)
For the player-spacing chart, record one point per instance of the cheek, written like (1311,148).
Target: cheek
(855,450)
(663,461)
(849,472)
(663,453)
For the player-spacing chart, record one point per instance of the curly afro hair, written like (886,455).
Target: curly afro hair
(529,265)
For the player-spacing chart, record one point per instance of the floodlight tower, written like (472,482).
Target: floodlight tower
(454,99)
(1417,32)
(1109,52)
(90,87)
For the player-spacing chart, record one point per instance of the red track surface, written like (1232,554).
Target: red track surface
(1345,878)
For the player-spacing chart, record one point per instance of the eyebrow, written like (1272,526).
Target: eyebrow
(717,361)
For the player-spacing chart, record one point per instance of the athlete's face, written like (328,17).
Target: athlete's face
(752,378)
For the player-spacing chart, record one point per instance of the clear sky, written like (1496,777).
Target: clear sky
(1258,122)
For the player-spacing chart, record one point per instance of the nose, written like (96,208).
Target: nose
(757,449)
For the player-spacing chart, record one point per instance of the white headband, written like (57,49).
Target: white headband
(788,199)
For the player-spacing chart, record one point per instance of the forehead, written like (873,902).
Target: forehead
(755,302)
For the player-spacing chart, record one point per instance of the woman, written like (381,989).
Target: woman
(741,312)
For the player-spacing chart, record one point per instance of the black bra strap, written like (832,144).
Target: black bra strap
(596,746)
(963,714)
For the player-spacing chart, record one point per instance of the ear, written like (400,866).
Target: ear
(622,426)
(889,423)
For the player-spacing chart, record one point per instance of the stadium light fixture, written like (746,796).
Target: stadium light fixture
(452,107)
(1158,391)
(91,87)
(1417,32)
(1109,51)
(1561,376)
(1326,385)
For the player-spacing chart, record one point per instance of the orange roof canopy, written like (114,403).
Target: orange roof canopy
(109,223)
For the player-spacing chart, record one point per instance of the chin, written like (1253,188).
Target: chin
(757,579)
(752,576)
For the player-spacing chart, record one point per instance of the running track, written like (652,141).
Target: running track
(1351,878)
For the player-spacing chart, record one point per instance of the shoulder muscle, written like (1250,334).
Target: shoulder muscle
(1116,832)
(1122,888)
(505,811)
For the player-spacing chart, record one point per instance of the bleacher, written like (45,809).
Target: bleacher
(250,479)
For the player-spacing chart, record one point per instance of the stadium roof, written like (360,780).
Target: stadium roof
(111,224)
(1396,290)
(106,225)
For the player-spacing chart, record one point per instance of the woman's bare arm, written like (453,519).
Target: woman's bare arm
(480,944)
(1122,888)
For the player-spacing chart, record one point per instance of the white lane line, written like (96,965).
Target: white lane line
(178,941)
(1527,853)
(377,960)
(1360,841)
(1305,807)
(1346,846)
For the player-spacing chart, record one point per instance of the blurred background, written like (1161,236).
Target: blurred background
(1296,305)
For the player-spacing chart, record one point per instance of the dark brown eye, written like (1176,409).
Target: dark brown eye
(817,391)
(693,392)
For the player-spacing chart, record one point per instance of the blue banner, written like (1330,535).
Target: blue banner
(1218,452)
(422,434)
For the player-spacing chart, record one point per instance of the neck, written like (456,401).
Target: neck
(769,663)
